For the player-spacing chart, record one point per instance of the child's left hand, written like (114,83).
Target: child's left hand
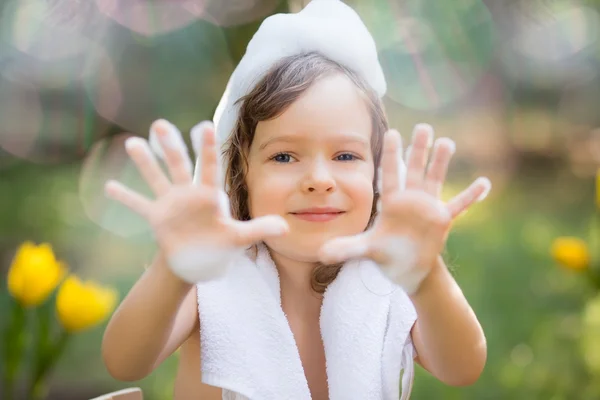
(413,223)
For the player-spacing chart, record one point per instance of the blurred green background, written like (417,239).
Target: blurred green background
(515,83)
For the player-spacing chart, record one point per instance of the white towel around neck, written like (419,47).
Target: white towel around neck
(248,348)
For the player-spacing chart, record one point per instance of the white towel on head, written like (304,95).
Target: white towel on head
(328,27)
(249,349)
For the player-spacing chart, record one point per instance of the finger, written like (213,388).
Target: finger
(401,171)
(477,191)
(174,151)
(344,248)
(157,146)
(196,134)
(257,229)
(417,157)
(205,147)
(141,154)
(390,180)
(129,198)
(224,203)
(443,149)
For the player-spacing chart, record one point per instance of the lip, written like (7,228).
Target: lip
(318,214)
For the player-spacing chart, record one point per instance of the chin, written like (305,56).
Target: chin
(298,247)
(304,241)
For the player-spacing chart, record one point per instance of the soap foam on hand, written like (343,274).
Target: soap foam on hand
(201,262)
(175,141)
(195,262)
(402,269)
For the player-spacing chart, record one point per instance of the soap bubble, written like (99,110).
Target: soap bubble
(556,34)
(150,18)
(21,116)
(108,160)
(433,54)
(52,127)
(103,88)
(238,12)
(579,103)
(42,45)
(177,79)
(29,27)
(551,43)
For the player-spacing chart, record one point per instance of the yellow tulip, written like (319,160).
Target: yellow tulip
(34,274)
(571,252)
(82,305)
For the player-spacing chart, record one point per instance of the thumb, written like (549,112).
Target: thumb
(257,229)
(344,248)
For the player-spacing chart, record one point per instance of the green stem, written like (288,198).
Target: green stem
(14,341)
(42,344)
(46,362)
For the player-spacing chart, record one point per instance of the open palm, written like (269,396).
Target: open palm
(413,223)
(191,220)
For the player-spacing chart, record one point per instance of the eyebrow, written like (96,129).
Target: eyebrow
(342,137)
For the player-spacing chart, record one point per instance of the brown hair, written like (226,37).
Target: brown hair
(285,82)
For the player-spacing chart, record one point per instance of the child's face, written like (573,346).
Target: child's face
(317,154)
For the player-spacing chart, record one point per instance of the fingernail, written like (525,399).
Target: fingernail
(487,186)
(327,255)
(132,142)
(275,229)
(427,128)
(173,137)
(452,146)
(449,143)
(169,135)
(108,188)
(164,138)
(197,134)
(155,145)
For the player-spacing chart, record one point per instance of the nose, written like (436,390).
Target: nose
(319,178)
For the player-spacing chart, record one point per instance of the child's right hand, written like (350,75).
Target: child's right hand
(193,228)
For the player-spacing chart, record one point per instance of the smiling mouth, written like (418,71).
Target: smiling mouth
(318,216)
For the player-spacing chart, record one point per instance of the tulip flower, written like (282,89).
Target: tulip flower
(79,306)
(32,277)
(571,252)
(34,274)
(82,305)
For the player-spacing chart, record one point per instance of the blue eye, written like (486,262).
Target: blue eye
(282,158)
(346,157)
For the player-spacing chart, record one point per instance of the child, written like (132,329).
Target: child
(319,275)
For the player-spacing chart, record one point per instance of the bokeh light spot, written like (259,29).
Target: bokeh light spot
(109,160)
(21,116)
(151,18)
(432,54)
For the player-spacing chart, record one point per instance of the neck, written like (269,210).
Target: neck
(294,280)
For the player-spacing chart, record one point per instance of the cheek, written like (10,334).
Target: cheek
(362,192)
(359,187)
(267,193)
